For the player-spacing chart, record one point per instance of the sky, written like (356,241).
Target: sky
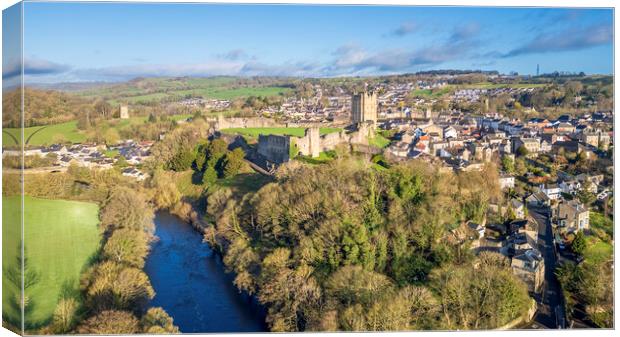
(71,42)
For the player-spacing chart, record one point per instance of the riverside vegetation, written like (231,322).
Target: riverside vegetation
(346,246)
(113,289)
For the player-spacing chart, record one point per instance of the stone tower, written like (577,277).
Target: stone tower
(124,112)
(314,138)
(364,107)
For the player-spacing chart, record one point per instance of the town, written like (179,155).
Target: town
(212,168)
(555,173)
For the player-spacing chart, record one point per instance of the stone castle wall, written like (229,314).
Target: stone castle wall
(245,122)
(274,148)
(313,143)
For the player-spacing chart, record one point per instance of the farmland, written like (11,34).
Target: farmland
(60,239)
(47,134)
(153,90)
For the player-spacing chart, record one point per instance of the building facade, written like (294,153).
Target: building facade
(573,215)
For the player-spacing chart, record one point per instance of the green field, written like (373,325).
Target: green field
(229,94)
(45,134)
(60,238)
(431,93)
(597,250)
(149,90)
(49,134)
(601,222)
(297,131)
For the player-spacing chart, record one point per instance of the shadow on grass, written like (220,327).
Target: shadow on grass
(245,182)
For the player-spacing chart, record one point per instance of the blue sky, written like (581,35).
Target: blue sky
(111,42)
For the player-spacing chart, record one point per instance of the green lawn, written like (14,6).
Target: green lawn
(598,250)
(379,141)
(431,93)
(46,134)
(601,222)
(297,131)
(49,134)
(60,238)
(324,157)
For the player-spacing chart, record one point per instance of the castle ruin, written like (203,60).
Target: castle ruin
(278,149)
(364,107)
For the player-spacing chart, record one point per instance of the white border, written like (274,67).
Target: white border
(488,3)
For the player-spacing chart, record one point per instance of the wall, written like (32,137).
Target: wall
(522,319)
(274,148)
(312,143)
(245,122)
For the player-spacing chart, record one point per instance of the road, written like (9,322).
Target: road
(550,306)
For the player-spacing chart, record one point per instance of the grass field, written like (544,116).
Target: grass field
(297,132)
(46,134)
(49,134)
(379,141)
(60,238)
(598,250)
(324,157)
(217,93)
(599,221)
(431,93)
(150,90)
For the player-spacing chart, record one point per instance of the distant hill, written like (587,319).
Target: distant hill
(42,107)
(152,90)
(71,86)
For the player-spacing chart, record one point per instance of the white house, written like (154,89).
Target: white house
(552,191)
(571,186)
(450,132)
(506,181)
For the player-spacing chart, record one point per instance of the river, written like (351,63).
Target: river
(191,285)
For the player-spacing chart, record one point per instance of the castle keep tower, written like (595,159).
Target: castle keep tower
(364,107)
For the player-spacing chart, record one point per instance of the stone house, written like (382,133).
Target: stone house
(529,266)
(573,215)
